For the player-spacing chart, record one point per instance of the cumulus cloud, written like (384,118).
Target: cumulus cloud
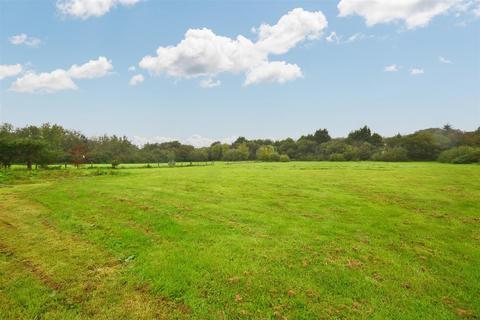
(414,13)
(11,70)
(85,9)
(60,79)
(47,82)
(391,68)
(136,79)
(25,40)
(276,71)
(209,83)
(444,60)
(202,53)
(195,140)
(416,71)
(292,28)
(92,69)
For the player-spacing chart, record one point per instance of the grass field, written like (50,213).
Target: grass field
(313,240)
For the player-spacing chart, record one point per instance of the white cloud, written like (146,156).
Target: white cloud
(26,40)
(209,83)
(136,79)
(391,68)
(46,82)
(140,141)
(85,9)
(472,6)
(195,140)
(416,71)
(10,70)
(60,79)
(357,37)
(338,39)
(276,71)
(292,28)
(415,13)
(444,60)
(476,10)
(91,69)
(202,53)
(333,37)
(131,68)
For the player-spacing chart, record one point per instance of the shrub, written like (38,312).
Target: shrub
(391,155)
(115,164)
(265,153)
(460,155)
(284,158)
(337,157)
(274,157)
(232,155)
(365,151)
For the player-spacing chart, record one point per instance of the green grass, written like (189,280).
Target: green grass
(299,240)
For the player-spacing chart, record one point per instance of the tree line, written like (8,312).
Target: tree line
(52,144)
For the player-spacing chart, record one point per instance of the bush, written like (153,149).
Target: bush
(284,158)
(274,157)
(267,153)
(391,155)
(232,155)
(337,157)
(460,155)
(115,164)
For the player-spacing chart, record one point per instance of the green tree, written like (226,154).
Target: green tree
(244,151)
(30,151)
(199,155)
(321,135)
(8,152)
(266,153)
(420,147)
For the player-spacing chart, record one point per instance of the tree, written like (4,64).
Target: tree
(365,151)
(420,147)
(217,150)
(362,135)
(359,136)
(376,140)
(8,152)
(321,135)
(238,142)
(288,147)
(199,155)
(267,153)
(232,155)
(78,154)
(334,146)
(391,155)
(306,149)
(183,153)
(447,127)
(30,151)
(244,151)
(462,154)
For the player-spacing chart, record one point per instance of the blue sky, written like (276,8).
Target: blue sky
(339,84)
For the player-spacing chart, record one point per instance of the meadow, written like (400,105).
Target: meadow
(297,240)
